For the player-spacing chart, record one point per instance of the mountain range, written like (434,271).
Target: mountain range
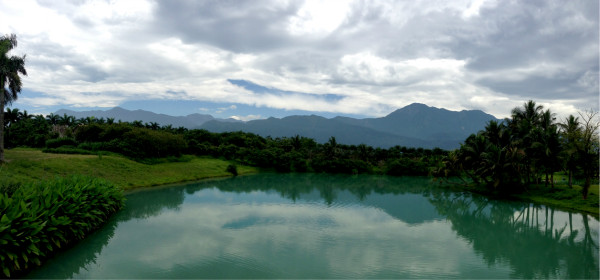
(416,125)
(118,113)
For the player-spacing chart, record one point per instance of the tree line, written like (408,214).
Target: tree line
(529,147)
(147,141)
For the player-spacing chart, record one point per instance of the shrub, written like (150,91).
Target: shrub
(232,169)
(407,167)
(89,133)
(347,166)
(142,143)
(59,142)
(41,217)
(69,150)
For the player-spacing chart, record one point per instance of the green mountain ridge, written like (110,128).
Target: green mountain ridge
(416,125)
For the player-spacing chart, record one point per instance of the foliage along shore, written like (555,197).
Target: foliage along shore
(40,218)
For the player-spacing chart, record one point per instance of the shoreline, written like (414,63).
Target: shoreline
(541,195)
(30,165)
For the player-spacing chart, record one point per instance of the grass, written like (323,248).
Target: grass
(31,165)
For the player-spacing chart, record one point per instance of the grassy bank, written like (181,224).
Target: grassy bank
(31,165)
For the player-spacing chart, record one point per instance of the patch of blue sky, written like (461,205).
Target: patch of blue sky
(180,107)
(262,89)
(38,103)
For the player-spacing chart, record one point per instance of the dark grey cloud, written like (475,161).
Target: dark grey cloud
(239,26)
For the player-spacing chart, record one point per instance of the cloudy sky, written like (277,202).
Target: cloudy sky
(255,59)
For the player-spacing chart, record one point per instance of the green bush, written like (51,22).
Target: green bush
(232,169)
(89,133)
(140,143)
(42,217)
(93,146)
(407,167)
(69,150)
(59,142)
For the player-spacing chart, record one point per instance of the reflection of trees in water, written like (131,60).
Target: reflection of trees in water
(524,236)
(150,203)
(293,186)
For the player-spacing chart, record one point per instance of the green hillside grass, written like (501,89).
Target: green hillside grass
(31,165)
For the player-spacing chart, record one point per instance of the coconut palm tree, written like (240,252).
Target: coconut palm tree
(10,81)
(569,132)
(588,147)
(522,124)
(11,116)
(52,119)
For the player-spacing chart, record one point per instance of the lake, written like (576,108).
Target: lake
(330,226)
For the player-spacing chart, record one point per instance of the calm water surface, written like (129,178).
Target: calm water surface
(324,226)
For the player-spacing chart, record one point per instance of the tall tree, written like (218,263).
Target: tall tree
(10,81)
(522,124)
(569,132)
(546,145)
(588,147)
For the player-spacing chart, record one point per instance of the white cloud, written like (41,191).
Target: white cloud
(247,118)
(376,56)
(318,18)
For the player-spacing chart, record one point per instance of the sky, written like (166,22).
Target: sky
(257,59)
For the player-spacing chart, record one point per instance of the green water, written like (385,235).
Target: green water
(323,226)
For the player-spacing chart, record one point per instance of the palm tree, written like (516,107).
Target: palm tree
(11,116)
(10,81)
(52,119)
(522,124)
(137,123)
(588,147)
(569,131)
(24,115)
(66,120)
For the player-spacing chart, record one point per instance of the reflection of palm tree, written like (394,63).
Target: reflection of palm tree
(512,232)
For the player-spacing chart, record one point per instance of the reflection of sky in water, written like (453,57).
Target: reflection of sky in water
(267,234)
(260,234)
